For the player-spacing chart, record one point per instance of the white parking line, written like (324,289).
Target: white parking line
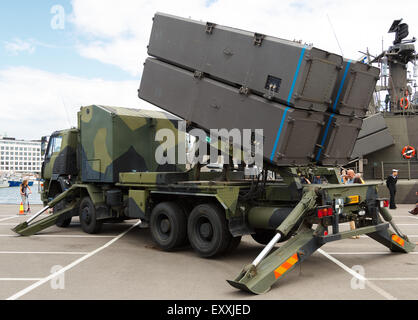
(9,218)
(407,224)
(393,279)
(371,285)
(56,236)
(42,252)
(20,279)
(71,265)
(360,253)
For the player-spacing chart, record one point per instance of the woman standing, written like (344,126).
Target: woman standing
(25,191)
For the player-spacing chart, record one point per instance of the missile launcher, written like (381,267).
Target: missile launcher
(307,101)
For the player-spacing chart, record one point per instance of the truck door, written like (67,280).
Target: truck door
(52,152)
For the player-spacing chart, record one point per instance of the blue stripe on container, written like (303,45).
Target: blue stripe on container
(296,75)
(337,98)
(341,86)
(302,54)
(279,133)
(325,136)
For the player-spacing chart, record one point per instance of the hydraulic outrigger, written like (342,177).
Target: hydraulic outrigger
(267,269)
(28,229)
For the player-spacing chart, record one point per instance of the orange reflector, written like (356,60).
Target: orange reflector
(286,266)
(398,240)
(353,199)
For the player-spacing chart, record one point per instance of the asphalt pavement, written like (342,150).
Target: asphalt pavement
(123,263)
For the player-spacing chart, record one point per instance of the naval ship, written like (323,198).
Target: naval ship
(389,136)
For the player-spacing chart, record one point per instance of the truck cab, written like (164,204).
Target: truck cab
(60,162)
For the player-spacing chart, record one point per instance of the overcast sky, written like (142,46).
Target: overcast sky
(49,67)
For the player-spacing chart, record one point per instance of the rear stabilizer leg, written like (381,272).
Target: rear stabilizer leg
(259,279)
(393,241)
(396,241)
(265,270)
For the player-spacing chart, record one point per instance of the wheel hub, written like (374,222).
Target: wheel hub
(206,230)
(86,215)
(165,226)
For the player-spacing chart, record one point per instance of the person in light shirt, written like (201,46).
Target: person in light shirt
(350,177)
(25,191)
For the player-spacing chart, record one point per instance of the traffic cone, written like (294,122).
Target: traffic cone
(21,210)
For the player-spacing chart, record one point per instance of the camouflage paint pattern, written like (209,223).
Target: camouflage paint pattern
(115,140)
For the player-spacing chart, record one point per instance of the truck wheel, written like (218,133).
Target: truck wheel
(64,220)
(263,236)
(88,221)
(168,224)
(208,231)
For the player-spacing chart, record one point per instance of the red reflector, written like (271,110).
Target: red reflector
(325,233)
(384,203)
(324,212)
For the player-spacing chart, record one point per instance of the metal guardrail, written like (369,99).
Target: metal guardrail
(407,169)
(380,171)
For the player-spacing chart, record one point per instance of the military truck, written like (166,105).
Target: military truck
(307,102)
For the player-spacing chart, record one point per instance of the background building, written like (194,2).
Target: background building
(20,156)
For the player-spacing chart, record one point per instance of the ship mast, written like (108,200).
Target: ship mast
(394,72)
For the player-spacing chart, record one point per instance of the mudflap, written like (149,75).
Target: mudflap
(258,280)
(25,229)
(393,241)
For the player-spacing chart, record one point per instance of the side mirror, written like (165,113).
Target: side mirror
(44,145)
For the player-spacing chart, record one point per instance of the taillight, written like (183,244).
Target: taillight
(324,212)
(384,203)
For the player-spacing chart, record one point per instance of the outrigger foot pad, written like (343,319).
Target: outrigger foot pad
(258,280)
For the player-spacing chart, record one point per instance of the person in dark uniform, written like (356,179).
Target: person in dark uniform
(391,184)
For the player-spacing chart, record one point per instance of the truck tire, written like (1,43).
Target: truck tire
(168,225)
(263,236)
(208,230)
(63,221)
(88,220)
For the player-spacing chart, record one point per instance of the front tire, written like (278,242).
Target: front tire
(208,231)
(168,223)
(88,220)
(63,221)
